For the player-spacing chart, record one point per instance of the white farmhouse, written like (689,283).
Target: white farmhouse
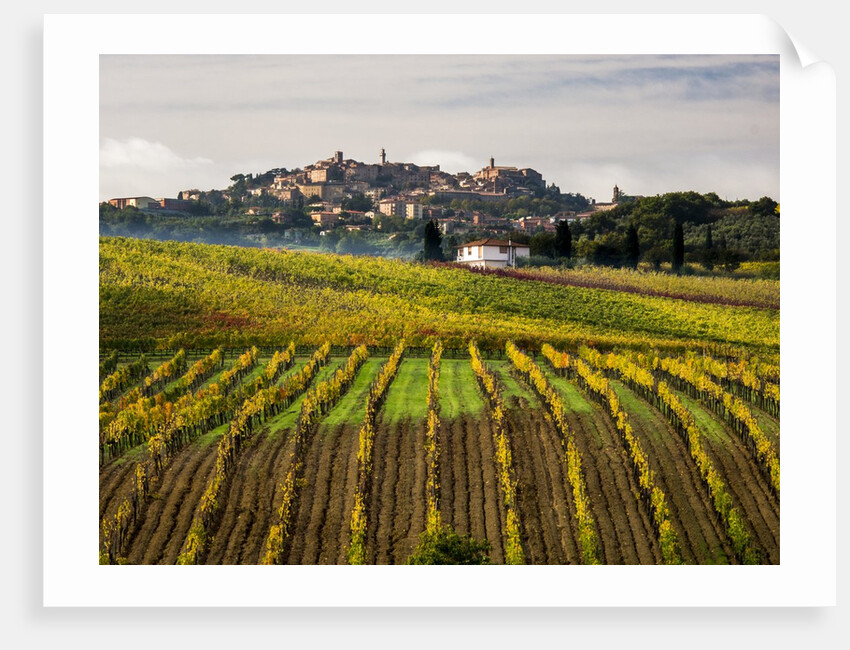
(491,253)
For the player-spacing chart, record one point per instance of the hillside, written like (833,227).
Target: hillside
(156,295)
(318,431)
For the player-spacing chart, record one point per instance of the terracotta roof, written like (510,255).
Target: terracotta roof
(492,242)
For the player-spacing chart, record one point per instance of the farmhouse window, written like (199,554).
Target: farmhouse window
(503,249)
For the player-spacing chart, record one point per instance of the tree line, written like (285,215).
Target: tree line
(675,228)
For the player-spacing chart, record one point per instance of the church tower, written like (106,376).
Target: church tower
(383,156)
(616,195)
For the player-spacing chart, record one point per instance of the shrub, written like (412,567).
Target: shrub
(445,546)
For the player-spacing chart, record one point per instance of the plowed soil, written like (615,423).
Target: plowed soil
(470,501)
(116,482)
(250,503)
(470,497)
(322,525)
(396,507)
(163,525)
(253,496)
(701,535)
(624,525)
(747,485)
(546,509)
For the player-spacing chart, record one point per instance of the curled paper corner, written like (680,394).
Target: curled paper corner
(795,47)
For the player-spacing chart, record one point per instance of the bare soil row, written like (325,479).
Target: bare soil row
(470,499)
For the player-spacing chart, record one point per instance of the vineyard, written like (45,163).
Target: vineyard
(259,407)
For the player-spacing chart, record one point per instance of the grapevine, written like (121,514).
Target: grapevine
(514,553)
(142,417)
(353,300)
(202,412)
(660,395)
(121,379)
(316,403)
(688,376)
(433,481)
(588,538)
(742,378)
(109,364)
(652,496)
(263,400)
(377,394)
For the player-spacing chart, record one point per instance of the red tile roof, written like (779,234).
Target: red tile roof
(492,242)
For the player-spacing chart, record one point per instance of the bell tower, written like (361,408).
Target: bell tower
(383,156)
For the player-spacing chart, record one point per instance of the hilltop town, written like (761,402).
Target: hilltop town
(342,192)
(388,208)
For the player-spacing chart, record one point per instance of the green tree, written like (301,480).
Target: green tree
(329,240)
(686,206)
(432,242)
(353,243)
(445,546)
(563,239)
(678,248)
(765,206)
(543,244)
(632,247)
(358,202)
(729,258)
(708,253)
(240,185)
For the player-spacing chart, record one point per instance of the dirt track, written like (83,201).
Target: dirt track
(396,508)
(470,501)
(249,506)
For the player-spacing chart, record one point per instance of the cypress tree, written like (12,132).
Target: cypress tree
(708,254)
(432,245)
(678,248)
(632,247)
(563,239)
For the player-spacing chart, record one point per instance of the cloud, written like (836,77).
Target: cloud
(449,161)
(651,123)
(144,155)
(138,167)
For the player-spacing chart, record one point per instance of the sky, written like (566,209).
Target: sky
(649,124)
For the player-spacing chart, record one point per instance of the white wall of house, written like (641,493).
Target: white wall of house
(490,256)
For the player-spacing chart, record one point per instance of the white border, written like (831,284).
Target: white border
(71,573)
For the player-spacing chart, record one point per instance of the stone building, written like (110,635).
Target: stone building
(501,178)
(324,191)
